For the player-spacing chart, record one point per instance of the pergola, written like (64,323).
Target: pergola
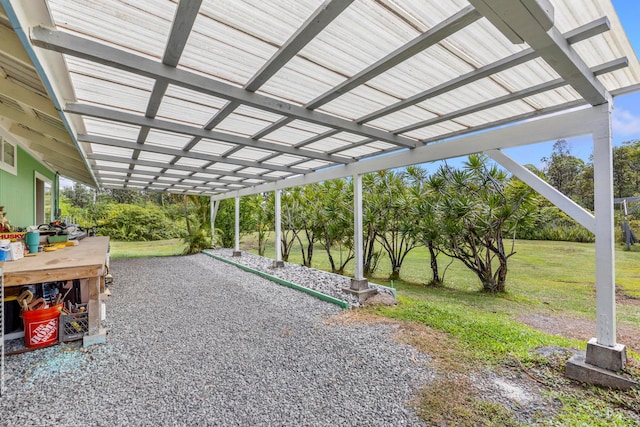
(237,97)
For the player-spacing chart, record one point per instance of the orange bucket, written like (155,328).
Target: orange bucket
(41,326)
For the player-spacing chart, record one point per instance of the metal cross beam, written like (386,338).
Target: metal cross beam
(97,52)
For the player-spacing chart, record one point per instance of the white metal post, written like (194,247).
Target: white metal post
(213,211)
(236,249)
(358,273)
(603,202)
(278,225)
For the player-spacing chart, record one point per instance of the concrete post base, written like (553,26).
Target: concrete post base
(361,294)
(99,338)
(578,369)
(359,284)
(236,253)
(609,358)
(277,264)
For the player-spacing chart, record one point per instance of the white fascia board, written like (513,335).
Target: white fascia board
(559,126)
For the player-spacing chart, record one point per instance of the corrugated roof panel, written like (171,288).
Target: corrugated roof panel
(111,151)
(363,150)
(167,139)
(313,164)
(206,176)
(255,171)
(155,157)
(208,146)
(184,161)
(104,164)
(247,121)
(239,38)
(146,168)
(178,171)
(358,102)
(187,106)
(103,72)
(106,93)
(250,154)
(289,135)
(404,117)
(438,129)
(226,166)
(276,174)
(283,160)
(111,129)
(141,26)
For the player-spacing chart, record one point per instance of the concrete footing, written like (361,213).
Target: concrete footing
(277,264)
(599,365)
(609,358)
(236,253)
(361,294)
(99,338)
(578,369)
(360,288)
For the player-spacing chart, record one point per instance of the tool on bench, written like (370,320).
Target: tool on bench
(24,299)
(38,304)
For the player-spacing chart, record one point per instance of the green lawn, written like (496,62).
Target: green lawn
(146,249)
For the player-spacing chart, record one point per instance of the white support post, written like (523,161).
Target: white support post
(359,284)
(603,203)
(236,248)
(213,211)
(358,271)
(278,225)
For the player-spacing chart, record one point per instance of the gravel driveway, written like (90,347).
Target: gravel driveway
(194,341)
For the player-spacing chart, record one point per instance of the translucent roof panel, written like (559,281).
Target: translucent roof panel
(292,87)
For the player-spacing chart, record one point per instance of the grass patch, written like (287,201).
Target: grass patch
(448,401)
(489,337)
(147,249)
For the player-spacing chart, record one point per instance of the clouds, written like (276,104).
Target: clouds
(625,123)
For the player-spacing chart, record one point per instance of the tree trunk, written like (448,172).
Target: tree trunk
(186,213)
(435,277)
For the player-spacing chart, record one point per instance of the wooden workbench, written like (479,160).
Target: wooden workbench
(87,260)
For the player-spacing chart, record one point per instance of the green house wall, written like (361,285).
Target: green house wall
(17,192)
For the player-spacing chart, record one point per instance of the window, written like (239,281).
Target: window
(8,156)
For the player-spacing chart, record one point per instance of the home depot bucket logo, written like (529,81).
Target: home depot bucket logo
(44,331)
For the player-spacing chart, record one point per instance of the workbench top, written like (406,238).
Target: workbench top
(87,259)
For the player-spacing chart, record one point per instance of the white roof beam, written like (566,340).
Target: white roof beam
(434,35)
(135,119)
(97,52)
(112,142)
(546,129)
(531,21)
(157,180)
(543,87)
(152,164)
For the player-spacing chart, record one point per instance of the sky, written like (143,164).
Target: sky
(626,113)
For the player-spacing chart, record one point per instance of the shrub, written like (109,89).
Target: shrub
(137,223)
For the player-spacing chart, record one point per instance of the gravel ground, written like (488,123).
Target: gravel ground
(318,280)
(194,341)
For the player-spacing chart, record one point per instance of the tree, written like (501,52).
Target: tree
(626,169)
(429,231)
(80,196)
(290,205)
(310,202)
(479,206)
(395,227)
(563,170)
(225,221)
(334,221)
